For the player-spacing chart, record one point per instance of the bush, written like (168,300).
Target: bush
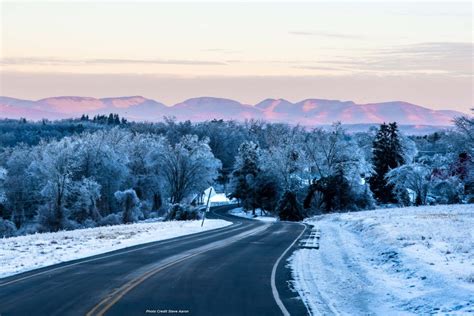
(28,229)
(50,219)
(89,223)
(7,228)
(111,219)
(364,200)
(447,191)
(179,212)
(130,204)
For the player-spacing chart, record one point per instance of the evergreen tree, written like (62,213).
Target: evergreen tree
(387,154)
(110,119)
(337,193)
(289,208)
(116,119)
(267,191)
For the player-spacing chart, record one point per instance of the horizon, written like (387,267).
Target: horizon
(175,51)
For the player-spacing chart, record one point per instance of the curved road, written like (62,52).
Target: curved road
(235,270)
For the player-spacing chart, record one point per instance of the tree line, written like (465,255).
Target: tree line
(83,173)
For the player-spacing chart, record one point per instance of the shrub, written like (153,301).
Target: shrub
(111,219)
(179,212)
(89,223)
(50,219)
(131,205)
(7,228)
(28,229)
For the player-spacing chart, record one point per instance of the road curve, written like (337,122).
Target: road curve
(227,271)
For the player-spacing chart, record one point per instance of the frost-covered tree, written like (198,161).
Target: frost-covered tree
(246,169)
(3,197)
(188,167)
(53,170)
(328,152)
(387,155)
(21,191)
(465,126)
(286,160)
(411,176)
(3,176)
(144,164)
(83,201)
(103,157)
(337,168)
(447,190)
(225,138)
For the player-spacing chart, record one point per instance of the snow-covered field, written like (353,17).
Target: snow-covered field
(24,253)
(415,260)
(241,213)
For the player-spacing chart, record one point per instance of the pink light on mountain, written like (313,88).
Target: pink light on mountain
(306,112)
(371,115)
(309,105)
(270,113)
(71,104)
(127,101)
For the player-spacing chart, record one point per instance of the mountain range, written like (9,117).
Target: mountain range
(308,112)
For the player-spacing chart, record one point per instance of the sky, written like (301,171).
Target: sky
(361,51)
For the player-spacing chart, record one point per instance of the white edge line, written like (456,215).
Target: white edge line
(276,296)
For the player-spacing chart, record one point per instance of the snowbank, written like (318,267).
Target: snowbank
(241,213)
(24,253)
(416,260)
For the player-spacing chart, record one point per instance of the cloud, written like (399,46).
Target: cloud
(452,58)
(325,34)
(110,61)
(155,61)
(323,68)
(221,50)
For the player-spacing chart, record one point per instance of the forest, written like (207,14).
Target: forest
(87,172)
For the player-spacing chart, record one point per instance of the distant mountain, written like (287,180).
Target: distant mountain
(205,108)
(308,112)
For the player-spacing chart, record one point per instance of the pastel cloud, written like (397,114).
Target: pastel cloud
(111,61)
(326,34)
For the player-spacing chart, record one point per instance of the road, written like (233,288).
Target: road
(235,270)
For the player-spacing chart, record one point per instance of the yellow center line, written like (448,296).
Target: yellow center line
(103,306)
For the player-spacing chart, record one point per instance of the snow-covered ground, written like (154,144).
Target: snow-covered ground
(241,213)
(24,253)
(415,260)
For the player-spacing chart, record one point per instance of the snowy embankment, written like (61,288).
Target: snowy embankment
(24,253)
(241,213)
(415,260)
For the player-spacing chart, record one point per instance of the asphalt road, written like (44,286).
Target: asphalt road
(236,270)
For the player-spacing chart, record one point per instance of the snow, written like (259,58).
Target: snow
(415,260)
(241,213)
(24,253)
(219,198)
(214,197)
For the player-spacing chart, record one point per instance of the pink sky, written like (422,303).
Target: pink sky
(365,52)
